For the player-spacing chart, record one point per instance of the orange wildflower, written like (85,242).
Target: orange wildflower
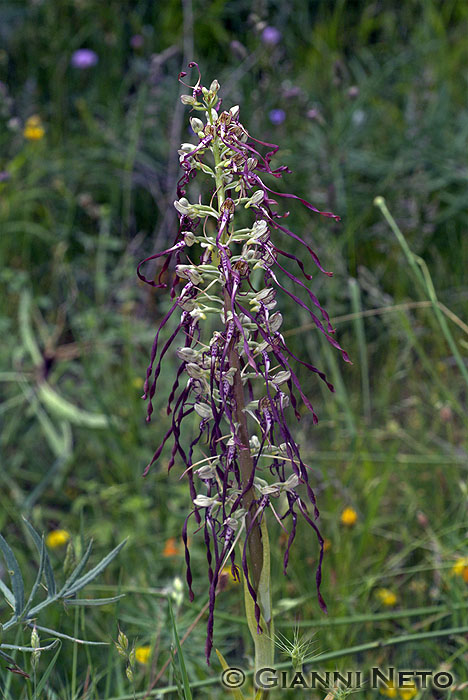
(170,548)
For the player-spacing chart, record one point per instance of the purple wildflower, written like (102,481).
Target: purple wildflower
(4,175)
(239,382)
(137,41)
(277,116)
(84,58)
(271,36)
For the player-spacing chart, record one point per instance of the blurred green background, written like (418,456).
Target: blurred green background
(365,99)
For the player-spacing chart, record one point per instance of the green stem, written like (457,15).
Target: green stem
(258,547)
(423,277)
(321,658)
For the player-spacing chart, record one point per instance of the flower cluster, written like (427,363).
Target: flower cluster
(238,379)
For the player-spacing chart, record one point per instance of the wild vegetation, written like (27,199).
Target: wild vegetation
(367,100)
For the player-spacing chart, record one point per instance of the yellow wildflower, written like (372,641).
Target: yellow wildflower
(143,654)
(137,383)
(386,597)
(459,567)
(409,691)
(33,130)
(227,571)
(349,517)
(389,690)
(57,538)
(326,545)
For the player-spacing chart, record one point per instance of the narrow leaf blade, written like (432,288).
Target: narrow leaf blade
(183,670)
(40,571)
(77,571)
(93,601)
(91,575)
(44,679)
(48,573)
(9,597)
(16,579)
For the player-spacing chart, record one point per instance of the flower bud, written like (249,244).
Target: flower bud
(281,378)
(275,321)
(194,276)
(182,271)
(196,124)
(186,148)
(194,370)
(249,254)
(186,354)
(35,641)
(189,238)
(187,100)
(214,87)
(229,375)
(267,297)
(122,644)
(182,205)
(177,593)
(256,198)
(203,501)
(206,472)
(234,111)
(203,410)
(260,232)
(291,482)
(186,304)
(254,442)
(233,523)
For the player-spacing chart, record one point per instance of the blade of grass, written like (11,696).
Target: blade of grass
(424,279)
(180,657)
(361,339)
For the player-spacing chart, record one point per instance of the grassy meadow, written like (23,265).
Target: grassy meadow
(367,99)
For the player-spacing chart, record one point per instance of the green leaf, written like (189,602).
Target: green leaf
(238,694)
(8,658)
(43,681)
(26,332)
(68,411)
(93,601)
(9,597)
(16,579)
(180,656)
(61,635)
(91,575)
(77,571)
(48,573)
(40,571)
(16,647)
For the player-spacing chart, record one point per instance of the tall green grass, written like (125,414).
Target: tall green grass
(374,98)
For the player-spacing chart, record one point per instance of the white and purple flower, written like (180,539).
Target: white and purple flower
(239,380)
